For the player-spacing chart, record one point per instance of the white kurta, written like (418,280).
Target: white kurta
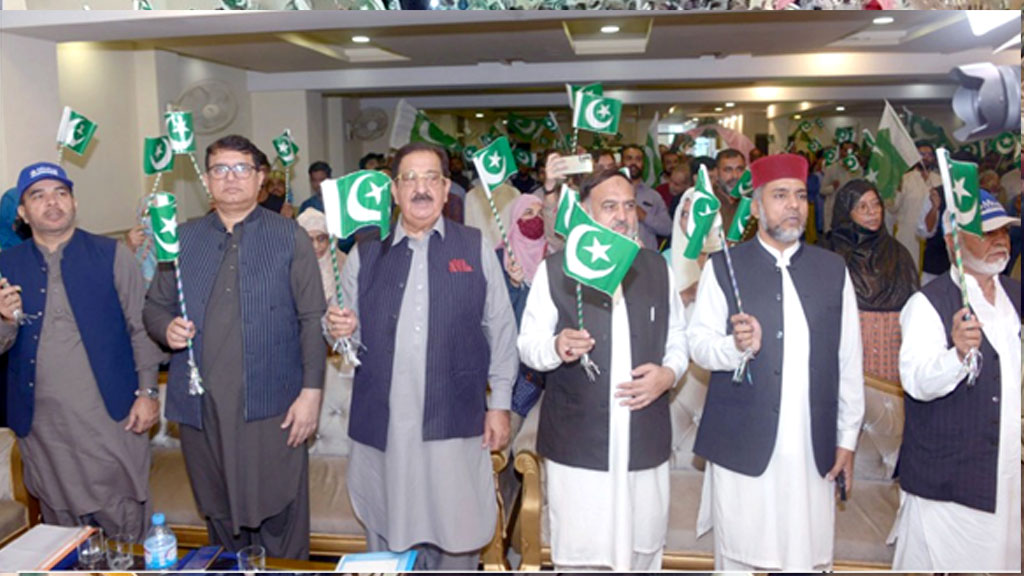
(932,535)
(907,207)
(616,519)
(785,518)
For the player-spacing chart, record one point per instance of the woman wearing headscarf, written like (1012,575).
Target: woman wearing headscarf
(882,271)
(338,376)
(686,271)
(526,238)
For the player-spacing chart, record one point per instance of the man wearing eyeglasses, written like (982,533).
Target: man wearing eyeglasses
(252,287)
(437,326)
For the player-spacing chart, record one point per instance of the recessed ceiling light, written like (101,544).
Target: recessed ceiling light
(797,116)
(883,20)
(479,114)
(840,108)
(730,104)
(610,29)
(718,109)
(360,39)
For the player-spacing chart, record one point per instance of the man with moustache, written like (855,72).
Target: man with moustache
(958,467)
(434,316)
(653,216)
(909,201)
(82,374)
(252,286)
(769,488)
(729,168)
(606,444)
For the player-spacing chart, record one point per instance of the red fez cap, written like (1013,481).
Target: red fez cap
(764,170)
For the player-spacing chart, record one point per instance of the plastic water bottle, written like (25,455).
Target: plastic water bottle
(161,546)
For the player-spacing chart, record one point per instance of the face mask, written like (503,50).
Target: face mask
(532,228)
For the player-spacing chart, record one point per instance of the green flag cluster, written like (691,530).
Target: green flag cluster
(163,214)
(596,113)
(357,200)
(286,148)
(75,131)
(960,181)
(524,129)
(179,129)
(495,163)
(703,212)
(844,134)
(594,255)
(157,155)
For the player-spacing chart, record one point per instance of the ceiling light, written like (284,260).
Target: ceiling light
(718,109)
(984,21)
(840,108)
(610,29)
(797,116)
(479,114)
(883,20)
(360,39)
(730,104)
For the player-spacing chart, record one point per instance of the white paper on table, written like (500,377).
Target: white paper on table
(42,547)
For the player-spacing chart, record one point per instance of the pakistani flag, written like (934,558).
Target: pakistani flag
(831,155)
(844,134)
(892,153)
(357,200)
(494,163)
(867,141)
(1005,144)
(740,221)
(651,174)
(522,128)
(960,181)
(594,255)
(157,155)
(75,131)
(424,130)
(412,125)
(703,213)
(814,145)
(806,126)
(524,157)
(819,123)
(851,163)
(550,122)
(744,186)
(592,89)
(922,128)
(286,148)
(975,149)
(163,214)
(179,128)
(566,201)
(596,114)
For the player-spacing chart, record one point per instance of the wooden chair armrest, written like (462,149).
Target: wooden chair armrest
(528,524)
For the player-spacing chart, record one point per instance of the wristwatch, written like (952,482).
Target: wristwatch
(151,393)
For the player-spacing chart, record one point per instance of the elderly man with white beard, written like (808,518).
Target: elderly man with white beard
(960,502)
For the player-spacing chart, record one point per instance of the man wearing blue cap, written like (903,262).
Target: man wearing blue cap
(82,372)
(960,505)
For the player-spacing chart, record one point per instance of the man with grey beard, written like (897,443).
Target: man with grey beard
(769,490)
(959,479)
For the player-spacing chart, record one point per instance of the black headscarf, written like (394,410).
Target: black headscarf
(881,269)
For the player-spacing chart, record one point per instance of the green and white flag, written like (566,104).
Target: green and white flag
(806,126)
(523,157)
(703,214)
(412,125)
(844,134)
(357,200)
(740,221)
(594,255)
(179,129)
(960,182)
(157,155)
(592,89)
(922,128)
(551,123)
(1005,144)
(814,145)
(651,174)
(286,148)
(974,149)
(596,114)
(75,131)
(851,163)
(892,153)
(522,128)
(744,186)
(867,141)
(495,163)
(566,201)
(831,155)
(163,214)
(819,123)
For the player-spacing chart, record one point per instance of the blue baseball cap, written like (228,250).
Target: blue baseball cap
(993,214)
(42,171)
